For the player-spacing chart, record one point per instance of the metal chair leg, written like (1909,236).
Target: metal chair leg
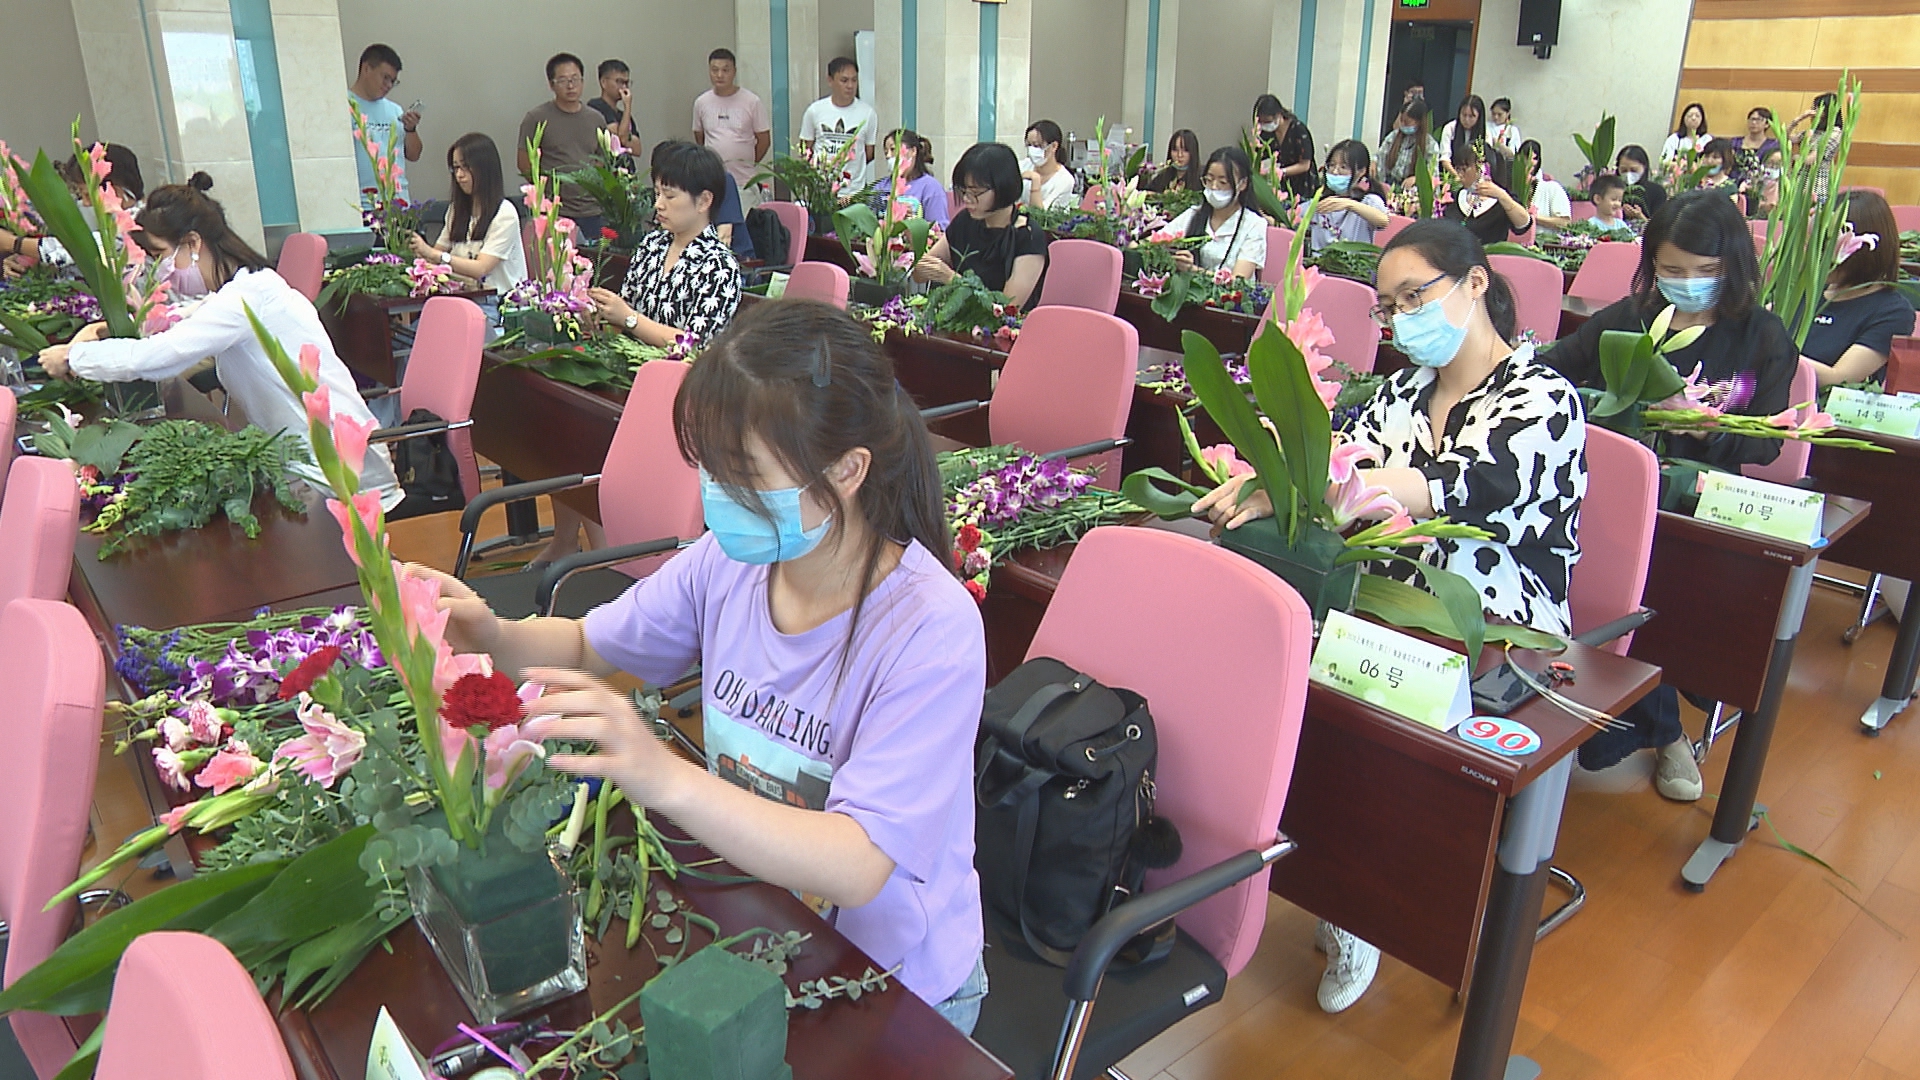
(1719,719)
(1576,899)
(1868,613)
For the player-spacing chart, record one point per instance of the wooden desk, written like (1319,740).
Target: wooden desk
(363,334)
(535,427)
(1575,311)
(891,1034)
(1730,605)
(1439,855)
(214,574)
(1885,544)
(1229,331)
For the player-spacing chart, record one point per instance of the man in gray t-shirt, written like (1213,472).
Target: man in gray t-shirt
(572,135)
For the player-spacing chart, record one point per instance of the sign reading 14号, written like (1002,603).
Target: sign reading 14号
(1887,414)
(1776,510)
(1384,667)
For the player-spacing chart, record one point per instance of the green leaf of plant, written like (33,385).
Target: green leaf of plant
(317,892)
(81,1065)
(333,956)
(61,213)
(1455,612)
(96,949)
(26,337)
(1662,382)
(1508,247)
(1264,196)
(1407,606)
(1143,488)
(1226,401)
(1284,388)
(1616,357)
(1423,186)
(855,224)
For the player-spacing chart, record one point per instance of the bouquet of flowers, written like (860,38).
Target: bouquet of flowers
(1170,288)
(1598,151)
(130,292)
(1002,500)
(886,245)
(560,276)
(624,197)
(16,211)
(818,184)
(391,218)
(1805,228)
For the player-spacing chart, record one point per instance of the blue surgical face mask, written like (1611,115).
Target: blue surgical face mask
(1690,294)
(749,538)
(1713,170)
(1338,184)
(1409,129)
(1427,336)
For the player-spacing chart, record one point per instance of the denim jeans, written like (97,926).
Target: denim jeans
(962,1010)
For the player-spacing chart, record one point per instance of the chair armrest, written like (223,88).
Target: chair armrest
(941,412)
(1121,925)
(1620,627)
(378,392)
(403,432)
(562,569)
(1098,446)
(492,497)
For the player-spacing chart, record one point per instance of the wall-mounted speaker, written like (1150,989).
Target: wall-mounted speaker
(1539,25)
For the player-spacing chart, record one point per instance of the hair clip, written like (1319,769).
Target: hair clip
(822,367)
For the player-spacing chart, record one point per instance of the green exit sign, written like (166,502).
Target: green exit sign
(1413,3)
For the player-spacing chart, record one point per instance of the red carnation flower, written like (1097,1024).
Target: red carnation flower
(978,590)
(488,701)
(608,233)
(968,538)
(302,677)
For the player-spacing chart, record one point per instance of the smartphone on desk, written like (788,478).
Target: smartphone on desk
(1501,690)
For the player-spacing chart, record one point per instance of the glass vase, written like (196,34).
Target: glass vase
(1308,566)
(506,925)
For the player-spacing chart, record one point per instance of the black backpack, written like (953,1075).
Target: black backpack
(769,236)
(427,470)
(1064,830)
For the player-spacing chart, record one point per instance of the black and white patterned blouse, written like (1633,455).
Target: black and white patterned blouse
(1513,462)
(699,295)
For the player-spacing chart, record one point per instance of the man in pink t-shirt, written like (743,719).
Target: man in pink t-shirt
(733,123)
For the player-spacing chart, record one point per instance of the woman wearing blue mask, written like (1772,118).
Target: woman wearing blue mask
(1235,231)
(1409,147)
(1697,256)
(214,278)
(1350,207)
(842,661)
(1475,430)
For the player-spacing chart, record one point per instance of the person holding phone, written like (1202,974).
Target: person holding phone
(379,75)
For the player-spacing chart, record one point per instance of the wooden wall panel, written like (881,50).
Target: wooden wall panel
(1714,10)
(1892,41)
(1765,43)
(1901,185)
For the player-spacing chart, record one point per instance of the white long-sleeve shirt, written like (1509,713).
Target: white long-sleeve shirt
(218,328)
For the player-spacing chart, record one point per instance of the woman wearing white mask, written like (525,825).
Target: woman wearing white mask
(1236,233)
(1476,430)
(187,233)
(1049,184)
(1644,194)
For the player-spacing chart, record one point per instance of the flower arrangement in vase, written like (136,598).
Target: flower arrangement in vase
(553,303)
(886,245)
(392,219)
(820,184)
(610,178)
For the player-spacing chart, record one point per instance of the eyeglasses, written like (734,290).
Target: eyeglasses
(1407,303)
(972,194)
(569,81)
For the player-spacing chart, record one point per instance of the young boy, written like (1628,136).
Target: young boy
(1607,192)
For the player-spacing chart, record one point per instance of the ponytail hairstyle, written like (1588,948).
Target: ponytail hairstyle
(922,151)
(1449,248)
(1050,132)
(1353,154)
(809,382)
(469,216)
(1240,171)
(174,210)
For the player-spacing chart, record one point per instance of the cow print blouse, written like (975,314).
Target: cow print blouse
(1513,462)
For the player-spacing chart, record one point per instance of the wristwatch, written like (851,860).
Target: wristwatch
(632,320)
(446,258)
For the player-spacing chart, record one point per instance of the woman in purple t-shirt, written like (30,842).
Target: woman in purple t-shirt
(842,661)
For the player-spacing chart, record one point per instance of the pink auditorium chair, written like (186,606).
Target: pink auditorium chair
(794,217)
(303,262)
(1068,385)
(649,503)
(1345,306)
(1083,274)
(1791,466)
(443,371)
(1607,273)
(1582,210)
(39,522)
(1907,218)
(820,281)
(1395,222)
(1537,286)
(55,683)
(9,407)
(1226,750)
(184,1008)
(1279,242)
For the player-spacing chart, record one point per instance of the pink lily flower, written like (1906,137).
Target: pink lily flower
(1355,499)
(866,264)
(420,608)
(1345,458)
(1223,461)
(328,750)
(350,439)
(1151,285)
(511,747)
(319,403)
(229,769)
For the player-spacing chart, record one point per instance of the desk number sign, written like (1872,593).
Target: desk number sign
(1776,510)
(391,1056)
(1887,414)
(1384,667)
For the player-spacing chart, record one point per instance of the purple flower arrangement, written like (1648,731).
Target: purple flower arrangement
(77,305)
(249,671)
(1000,496)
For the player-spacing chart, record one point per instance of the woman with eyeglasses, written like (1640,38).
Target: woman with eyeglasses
(1236,233)
(989,236)
(1697,257)
(1476,430)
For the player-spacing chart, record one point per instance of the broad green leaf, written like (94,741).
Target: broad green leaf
(26,337)
(58,209)
(1226,401)
(1662,382)
(1508,247)
(333,956)
(97,948)
(81,1065)
(1460,604)
(1285,391)
(1171,299)
(1143,488)
(1616,356)
(320,890)
(1264,196)
(1423,186)
(854,224)
(1414,608)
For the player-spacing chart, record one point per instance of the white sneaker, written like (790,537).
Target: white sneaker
(1676,775)
(1351,965)
(1322,935)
